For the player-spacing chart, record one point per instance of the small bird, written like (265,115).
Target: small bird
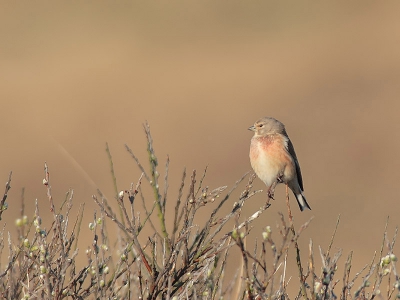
(273,158)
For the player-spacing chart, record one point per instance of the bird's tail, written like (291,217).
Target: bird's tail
(301,200)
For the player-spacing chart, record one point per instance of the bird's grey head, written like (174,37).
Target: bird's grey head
(266,126)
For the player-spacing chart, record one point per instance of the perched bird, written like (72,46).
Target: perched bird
(273,158)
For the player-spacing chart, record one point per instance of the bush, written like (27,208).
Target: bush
(186,262)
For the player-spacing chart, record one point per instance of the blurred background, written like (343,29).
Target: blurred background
(75,75)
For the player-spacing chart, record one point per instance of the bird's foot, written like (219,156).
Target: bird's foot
(271,190)
(271,194)
(279,179)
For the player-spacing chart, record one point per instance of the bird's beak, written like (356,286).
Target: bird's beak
(252,128)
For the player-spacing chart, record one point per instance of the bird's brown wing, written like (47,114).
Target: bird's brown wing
(298,172)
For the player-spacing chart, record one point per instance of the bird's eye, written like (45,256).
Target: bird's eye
(261,125)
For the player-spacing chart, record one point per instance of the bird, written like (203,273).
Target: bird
(274,160)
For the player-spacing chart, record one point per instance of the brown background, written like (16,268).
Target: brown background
(75,75)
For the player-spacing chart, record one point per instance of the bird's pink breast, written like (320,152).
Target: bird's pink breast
(269,157)
(261,146)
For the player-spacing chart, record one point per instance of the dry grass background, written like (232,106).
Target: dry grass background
(76,75)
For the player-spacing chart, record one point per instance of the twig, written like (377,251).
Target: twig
(3,205)
(298,259)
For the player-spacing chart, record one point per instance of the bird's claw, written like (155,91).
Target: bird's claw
(279,179)
(271,190)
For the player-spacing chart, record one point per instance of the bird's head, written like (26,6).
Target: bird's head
(266,126)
